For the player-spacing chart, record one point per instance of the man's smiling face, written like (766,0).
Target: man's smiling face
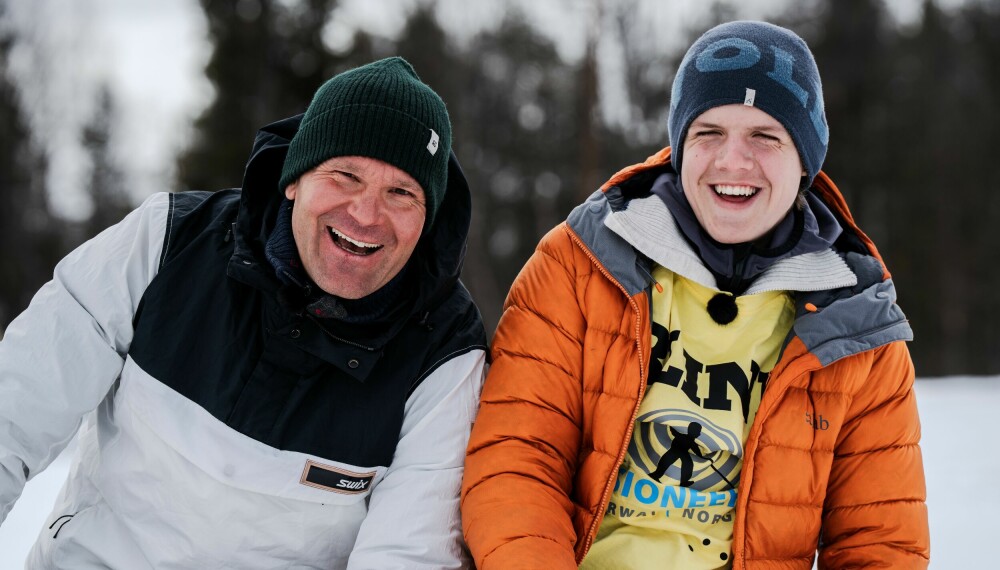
(740,172)
(356,221)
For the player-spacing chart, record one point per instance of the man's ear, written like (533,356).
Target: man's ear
(291,189)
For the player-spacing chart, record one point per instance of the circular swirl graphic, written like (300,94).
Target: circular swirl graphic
(687,448)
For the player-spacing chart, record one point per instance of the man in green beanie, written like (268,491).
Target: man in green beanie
(278,376)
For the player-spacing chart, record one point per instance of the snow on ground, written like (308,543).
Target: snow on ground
(957,415)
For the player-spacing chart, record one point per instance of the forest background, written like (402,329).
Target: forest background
(547,100)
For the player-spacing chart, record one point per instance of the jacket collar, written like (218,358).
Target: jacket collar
(851,239)
(832,323)
(649,227)
(811,229)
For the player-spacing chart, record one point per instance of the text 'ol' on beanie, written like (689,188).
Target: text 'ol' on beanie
(381,110)
(756,64)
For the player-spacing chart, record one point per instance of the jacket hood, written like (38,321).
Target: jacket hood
(852,239)
(437,260)
(832,323)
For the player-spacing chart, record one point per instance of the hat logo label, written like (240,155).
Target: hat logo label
(432,146)
(749,99)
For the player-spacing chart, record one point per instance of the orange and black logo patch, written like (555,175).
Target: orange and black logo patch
(331,478)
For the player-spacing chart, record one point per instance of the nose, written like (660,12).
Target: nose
(734,154)
(366,207)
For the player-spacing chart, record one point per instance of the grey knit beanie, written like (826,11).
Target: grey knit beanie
(756,64)
(381,110)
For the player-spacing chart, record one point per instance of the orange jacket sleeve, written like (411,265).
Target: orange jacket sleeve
(522,456)
(875,505)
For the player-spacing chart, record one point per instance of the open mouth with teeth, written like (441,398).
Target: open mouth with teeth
(731,193)
(352,246)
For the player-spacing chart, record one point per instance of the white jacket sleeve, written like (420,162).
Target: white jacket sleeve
(413,519)
(60,357)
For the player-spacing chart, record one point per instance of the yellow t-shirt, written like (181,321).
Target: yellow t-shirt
(675,497)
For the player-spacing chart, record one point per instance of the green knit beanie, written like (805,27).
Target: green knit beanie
(383,111)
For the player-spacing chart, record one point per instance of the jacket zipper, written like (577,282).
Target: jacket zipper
(592,531)
(753,439)
(740,256)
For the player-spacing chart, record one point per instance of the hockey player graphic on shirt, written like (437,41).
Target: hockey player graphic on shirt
(681,447)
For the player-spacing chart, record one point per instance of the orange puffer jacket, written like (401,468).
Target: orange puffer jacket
(832,462)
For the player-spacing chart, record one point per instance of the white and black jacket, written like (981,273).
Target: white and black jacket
(222,429)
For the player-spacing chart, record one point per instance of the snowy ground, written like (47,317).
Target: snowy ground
(963,498)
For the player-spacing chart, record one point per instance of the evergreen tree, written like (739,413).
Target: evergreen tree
(933,135)
(28,248)
(268,60)
(982,23)
(106,188)
(912,119)
(519,127)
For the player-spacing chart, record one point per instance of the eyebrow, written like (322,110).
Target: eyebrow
(345,162)
(408,186)
(707,125)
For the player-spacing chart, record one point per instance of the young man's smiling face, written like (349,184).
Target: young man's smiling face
(740,172)
(356,221)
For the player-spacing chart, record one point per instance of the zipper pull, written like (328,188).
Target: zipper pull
(656,284)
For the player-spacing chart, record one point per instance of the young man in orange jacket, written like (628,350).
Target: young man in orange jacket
(704,366)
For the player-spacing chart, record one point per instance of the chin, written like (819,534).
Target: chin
(728,238)
(349,294)
(731,235)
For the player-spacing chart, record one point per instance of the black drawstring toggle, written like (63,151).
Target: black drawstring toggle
(722,308)
(423,322)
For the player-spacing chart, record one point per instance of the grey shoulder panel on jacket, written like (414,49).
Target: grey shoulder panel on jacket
(849,320)
(613,252)
(855,319)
